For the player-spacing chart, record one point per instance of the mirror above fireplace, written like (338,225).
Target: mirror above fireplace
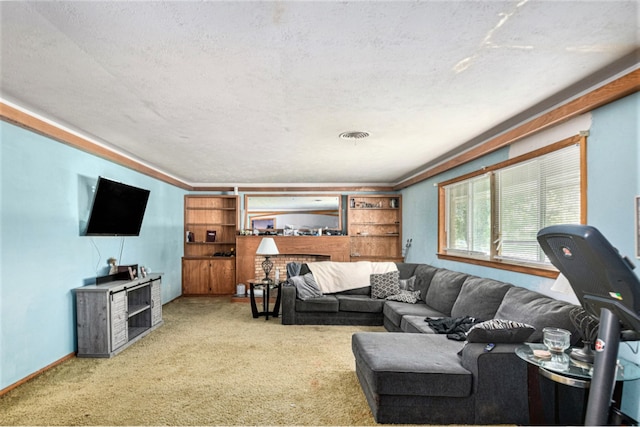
(292,213)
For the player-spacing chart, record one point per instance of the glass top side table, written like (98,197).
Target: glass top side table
(573,372)
(266,286)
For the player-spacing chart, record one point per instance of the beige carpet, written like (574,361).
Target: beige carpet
(211,363)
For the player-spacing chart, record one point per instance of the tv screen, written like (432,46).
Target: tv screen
(117,209)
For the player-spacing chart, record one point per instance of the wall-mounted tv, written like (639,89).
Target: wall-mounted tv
(117,209)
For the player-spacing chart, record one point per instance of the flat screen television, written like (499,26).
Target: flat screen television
(117,209)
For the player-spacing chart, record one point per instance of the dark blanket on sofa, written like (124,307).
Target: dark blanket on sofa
(456,328)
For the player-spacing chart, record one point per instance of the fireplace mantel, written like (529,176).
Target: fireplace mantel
(335,247)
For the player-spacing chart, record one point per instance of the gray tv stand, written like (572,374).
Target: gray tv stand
(111,316)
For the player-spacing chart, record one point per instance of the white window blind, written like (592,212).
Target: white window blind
(496,215)
(532,195)
(468,216)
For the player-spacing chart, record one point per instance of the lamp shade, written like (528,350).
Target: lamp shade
(267,247)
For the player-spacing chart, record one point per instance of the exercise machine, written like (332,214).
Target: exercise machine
(608,289)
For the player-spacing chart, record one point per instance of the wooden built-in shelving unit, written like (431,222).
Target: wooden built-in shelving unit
(375,227)
(208,265)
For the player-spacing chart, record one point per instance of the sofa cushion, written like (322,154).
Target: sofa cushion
(408,284)
(406,269)
(385,284)
(304,269)
(500,331)
(357,291)
(424,273)
(444,289)
(396,363)
(327,303)
(359,303)
(415,325)
(394,311)
(479,298)
(410,297)
(537,310)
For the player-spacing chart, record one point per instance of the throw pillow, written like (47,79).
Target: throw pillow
(384,285)
(411,297)
(408,284)
(306,286)
(500,331)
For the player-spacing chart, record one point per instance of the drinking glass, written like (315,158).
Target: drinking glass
(557,341)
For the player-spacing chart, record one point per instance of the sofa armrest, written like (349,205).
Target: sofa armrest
(288,302)
(500,383)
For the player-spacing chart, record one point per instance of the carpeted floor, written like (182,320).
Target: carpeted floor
(211,363)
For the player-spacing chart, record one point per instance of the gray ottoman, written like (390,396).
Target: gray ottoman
(413,378)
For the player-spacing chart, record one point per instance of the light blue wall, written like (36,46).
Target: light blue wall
(613,182)
(45,195)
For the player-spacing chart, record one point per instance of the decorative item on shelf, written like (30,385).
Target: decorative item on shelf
(113,268)
(133,273)
(190,237)
(128,271)
(267,248)
(211,236)
(393,203)
(367,205)
(587,327)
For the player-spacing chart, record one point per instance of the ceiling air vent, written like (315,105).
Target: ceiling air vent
(353,135)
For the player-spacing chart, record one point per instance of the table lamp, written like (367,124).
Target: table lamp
(267,248)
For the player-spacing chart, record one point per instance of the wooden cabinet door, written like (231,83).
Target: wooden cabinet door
(195,276)
(201,276)
(119,320)
(222,277)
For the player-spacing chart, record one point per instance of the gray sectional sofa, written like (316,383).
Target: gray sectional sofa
(352,307)
(412,375)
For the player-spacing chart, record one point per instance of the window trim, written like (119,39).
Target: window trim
(544,271)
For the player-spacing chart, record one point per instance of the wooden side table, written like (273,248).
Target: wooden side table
(266,286)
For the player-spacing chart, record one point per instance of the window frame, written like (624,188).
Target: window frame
(491,260)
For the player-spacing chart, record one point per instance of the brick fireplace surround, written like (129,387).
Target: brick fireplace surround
(280,263)
(291,248)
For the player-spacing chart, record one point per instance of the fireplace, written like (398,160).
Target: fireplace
(280,263)
(291,248)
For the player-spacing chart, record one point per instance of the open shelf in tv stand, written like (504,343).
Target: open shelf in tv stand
(113,315)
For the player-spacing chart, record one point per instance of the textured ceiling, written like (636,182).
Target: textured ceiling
(241,92)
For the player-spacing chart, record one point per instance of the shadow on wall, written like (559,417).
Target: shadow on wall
(86,190)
